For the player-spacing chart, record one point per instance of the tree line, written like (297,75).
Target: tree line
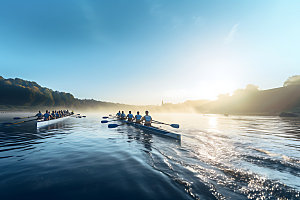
(251,100)
(20,92)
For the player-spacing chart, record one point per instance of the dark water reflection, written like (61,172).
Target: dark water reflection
(235,157)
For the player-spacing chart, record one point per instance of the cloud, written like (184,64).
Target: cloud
(231,35)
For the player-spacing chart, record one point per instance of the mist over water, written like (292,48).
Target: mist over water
(219,157)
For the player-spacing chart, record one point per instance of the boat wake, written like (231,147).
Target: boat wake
(212,166)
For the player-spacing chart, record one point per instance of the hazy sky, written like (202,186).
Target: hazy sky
(143,51)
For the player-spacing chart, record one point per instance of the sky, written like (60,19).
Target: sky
(145,51)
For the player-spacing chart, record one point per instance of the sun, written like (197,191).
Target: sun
(207,91)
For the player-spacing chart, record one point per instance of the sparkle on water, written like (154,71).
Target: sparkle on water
(219,157)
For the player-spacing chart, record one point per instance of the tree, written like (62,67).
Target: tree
(293,80)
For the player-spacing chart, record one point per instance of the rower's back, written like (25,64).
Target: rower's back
(147,118)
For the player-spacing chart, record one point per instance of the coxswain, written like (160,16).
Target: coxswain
(138,118)
(147,118)
(130,117)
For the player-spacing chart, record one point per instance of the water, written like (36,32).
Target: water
(235,157)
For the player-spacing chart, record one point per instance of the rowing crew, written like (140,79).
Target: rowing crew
(53,115)
(147,119)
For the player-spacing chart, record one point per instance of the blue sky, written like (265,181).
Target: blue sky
(143,51)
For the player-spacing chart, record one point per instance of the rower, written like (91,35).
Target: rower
(118,114)
(123,116)
(147,118)
(53,115)
(130,117)
(56,114)
(138,118)
(39,115)
(46,116)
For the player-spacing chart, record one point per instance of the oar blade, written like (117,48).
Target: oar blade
(175,125)
(112,125)
(104,121)
(105,117)
(17,117)
(7,123)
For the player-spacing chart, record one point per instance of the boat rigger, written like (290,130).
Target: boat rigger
(154,130)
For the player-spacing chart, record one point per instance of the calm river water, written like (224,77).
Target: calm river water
(234,157)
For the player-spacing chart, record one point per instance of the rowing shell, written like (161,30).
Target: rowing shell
(42,123)
(154,130)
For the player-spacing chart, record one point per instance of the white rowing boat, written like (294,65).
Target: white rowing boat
(153,129)
(42,123)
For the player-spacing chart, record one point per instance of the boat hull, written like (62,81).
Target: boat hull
(41,124)
(155,130)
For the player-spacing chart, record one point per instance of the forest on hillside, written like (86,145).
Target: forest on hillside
(28,93)
(251,100)
(248,101)
(18,92)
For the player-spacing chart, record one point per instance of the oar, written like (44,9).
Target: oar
(23,117)
(105,117)
(114,125)
(18,122)
(172,125)
(106,121)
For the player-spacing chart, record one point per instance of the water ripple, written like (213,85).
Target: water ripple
(235,157)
